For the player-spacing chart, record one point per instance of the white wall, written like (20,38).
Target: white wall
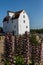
(11,14)
(22,25)
(10,26)
(7,26)
(15,23)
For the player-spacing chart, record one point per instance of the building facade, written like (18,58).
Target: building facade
(16,22)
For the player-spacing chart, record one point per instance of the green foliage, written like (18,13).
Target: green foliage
(33,40)
(34,44)
(19,60)
(6,62)
(36,31)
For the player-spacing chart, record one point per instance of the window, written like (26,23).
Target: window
(14,26)
(26,26)
(23,16)
(24,21)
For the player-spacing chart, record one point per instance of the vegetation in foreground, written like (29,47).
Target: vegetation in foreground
(18,60)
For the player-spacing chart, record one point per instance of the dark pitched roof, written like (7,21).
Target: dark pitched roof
(16,15)
(6,18)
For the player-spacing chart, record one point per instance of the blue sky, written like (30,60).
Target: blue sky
(34,8)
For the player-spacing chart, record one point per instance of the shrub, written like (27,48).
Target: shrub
(19,60)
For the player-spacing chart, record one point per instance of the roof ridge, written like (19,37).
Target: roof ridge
(15,11)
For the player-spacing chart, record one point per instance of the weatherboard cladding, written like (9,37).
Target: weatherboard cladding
(13,17)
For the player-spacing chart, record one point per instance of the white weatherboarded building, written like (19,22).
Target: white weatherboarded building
(16,22)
